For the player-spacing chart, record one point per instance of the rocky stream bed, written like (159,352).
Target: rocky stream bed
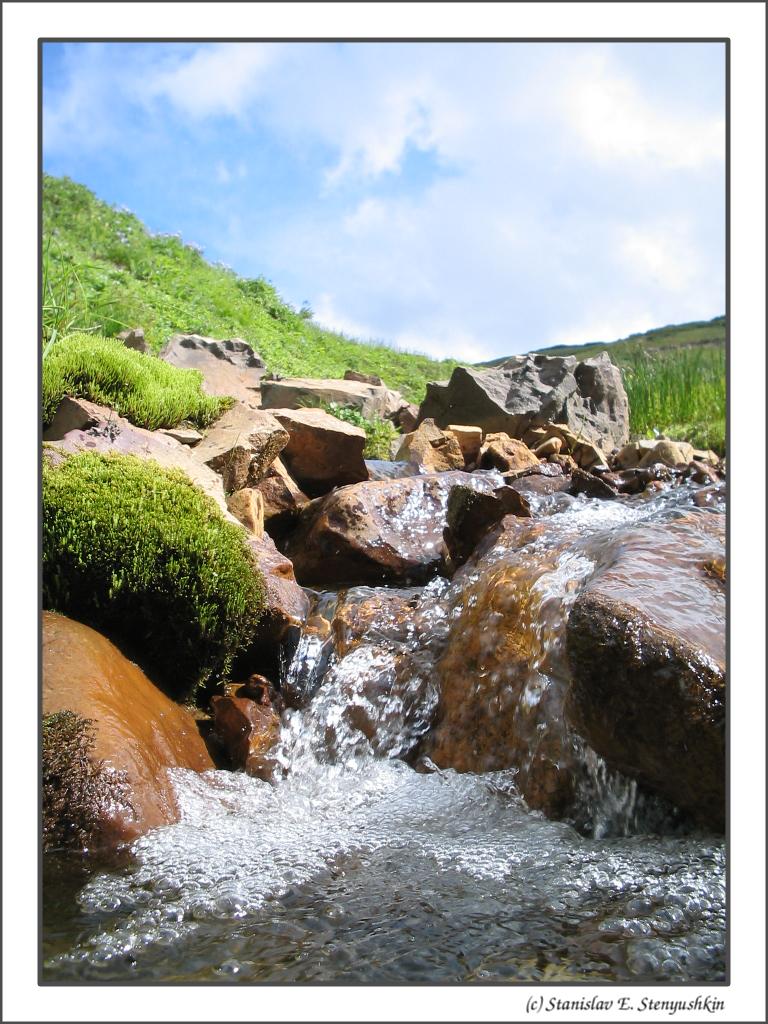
(480,736)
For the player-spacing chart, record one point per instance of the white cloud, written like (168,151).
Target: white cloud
(222,78)
(661,254)
(608,113)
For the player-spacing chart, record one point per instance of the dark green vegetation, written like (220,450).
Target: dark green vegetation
(680,393)
(103,270)
(139,553)
(146,390)
(379,433)
(78,791)
(674,377)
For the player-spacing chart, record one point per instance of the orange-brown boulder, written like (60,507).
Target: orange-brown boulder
(505,453)
(435,450)
(138,730)
(323,452)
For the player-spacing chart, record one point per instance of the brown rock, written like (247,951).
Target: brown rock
(229,367)
(377,531)
(470,441)
(246,730)
(286,609)
(322,452)
(184,435)
(471,514)
(298,393)
(646,645)
(134,339)
(364,378)
(138,730)
(549,447)
(241,446)
(591,485)
(283,499)
(407,417)
(588,456)
(431,448)
(247,505)
(669,453)
(505,453)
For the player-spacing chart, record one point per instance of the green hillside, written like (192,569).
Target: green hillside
(103,270)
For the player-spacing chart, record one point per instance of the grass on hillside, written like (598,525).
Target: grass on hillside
(103,270)
(146,390)
(680,393)
(139,552)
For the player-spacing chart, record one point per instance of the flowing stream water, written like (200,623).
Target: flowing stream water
(362,862)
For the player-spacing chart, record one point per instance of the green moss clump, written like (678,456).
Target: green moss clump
(140,553)
(78,791)
(144,389)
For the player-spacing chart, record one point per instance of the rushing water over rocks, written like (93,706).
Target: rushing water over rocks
(366,859)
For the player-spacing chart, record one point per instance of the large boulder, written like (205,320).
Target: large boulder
(378,531)
(80,426)
(528,391)
(229,367)
(138,731)
(432,449)
(501,683)
(372,400)
(241,445)
(646,645)
(322,451)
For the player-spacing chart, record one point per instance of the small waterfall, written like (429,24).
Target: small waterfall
(352,866)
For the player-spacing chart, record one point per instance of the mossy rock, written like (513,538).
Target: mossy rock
(147,391)
(139,553)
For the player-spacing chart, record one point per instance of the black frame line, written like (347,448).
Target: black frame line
(511,986)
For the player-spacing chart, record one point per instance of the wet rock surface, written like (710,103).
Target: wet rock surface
(138,730)
(378,531)
(646,645)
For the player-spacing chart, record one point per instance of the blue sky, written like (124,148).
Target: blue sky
(469,200)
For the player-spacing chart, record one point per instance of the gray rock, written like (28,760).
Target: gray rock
(229,367)
(533,390)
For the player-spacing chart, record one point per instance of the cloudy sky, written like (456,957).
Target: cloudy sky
(470,200)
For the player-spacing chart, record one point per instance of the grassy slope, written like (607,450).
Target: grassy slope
(102,268)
